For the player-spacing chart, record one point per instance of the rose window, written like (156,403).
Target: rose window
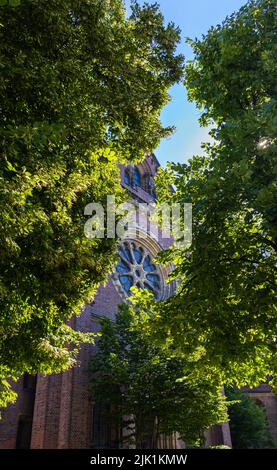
(136,268)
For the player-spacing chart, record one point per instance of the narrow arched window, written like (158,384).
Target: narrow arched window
(146,183)
(127,178)
(137,178)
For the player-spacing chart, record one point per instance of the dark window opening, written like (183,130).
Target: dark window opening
(127,178)
(29,382)
(24,432)
(146,183)
(105,433)
(137,178)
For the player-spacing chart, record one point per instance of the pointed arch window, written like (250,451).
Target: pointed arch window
(137,178)
(127,177)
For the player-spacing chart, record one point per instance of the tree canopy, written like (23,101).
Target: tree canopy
(223,316)
(81,89)
(148,390)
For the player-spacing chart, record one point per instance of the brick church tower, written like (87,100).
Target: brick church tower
(57,411)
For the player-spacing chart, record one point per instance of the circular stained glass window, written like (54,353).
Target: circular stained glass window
(136,268)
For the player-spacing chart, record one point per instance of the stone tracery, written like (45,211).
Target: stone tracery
(136,268)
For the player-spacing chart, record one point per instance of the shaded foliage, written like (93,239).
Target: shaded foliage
(149,391)
(248,422)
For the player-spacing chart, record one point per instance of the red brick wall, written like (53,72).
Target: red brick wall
(23,407)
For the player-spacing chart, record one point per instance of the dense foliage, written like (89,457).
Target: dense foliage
(223,316)
(147,390)
(81,89)
(248,422)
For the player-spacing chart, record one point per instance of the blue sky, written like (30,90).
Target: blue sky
(194,17)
